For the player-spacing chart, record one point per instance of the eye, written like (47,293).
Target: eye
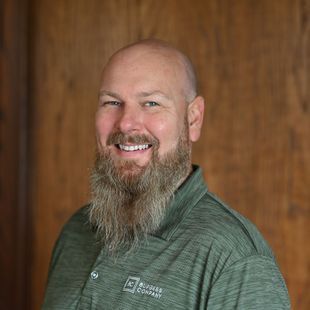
(110,103)
(151,104)
(113,103)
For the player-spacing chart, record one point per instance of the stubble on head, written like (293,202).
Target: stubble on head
(129,201)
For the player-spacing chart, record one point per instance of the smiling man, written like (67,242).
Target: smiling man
(145,124)
(153,237)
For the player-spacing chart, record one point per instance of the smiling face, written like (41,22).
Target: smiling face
(144,131)
(142,106)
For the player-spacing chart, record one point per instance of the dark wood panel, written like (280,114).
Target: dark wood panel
(252,60)
(13,219)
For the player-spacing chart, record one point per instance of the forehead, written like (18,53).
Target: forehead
(140,66)
(142,55)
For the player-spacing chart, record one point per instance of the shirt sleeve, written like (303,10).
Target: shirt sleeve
(251,283)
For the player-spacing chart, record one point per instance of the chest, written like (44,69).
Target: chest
(160,275)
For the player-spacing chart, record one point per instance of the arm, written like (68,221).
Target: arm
(252,283)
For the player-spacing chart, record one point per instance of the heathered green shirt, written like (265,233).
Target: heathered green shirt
(204,256)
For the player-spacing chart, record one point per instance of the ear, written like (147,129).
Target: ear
(195,113)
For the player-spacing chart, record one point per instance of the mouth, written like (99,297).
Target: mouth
(133,148)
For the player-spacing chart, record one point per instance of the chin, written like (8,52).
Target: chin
(129,167)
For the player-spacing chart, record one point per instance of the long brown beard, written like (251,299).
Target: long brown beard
(128,201)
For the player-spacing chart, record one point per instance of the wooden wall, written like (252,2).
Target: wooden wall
(253,63)
(14,216)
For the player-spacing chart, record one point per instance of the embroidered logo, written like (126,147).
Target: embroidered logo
(135,285)
(131,284)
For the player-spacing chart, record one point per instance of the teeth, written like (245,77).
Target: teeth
(131,148)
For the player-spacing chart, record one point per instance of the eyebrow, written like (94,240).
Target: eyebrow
(152,93)
(141,94)
(108,93)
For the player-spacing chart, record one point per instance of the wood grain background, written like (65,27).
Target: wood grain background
(14,216)
(253,63)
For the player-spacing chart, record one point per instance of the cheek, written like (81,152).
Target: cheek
(103,127)
(166,130)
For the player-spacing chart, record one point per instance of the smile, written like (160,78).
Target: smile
(132,148)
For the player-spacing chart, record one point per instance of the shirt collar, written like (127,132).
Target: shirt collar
(185,198)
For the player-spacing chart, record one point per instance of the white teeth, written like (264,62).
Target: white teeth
(131,148)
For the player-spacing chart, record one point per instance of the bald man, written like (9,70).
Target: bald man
(153,236)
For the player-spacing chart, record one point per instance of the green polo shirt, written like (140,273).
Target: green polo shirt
(204,256)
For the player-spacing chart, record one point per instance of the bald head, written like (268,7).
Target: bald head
(147,50)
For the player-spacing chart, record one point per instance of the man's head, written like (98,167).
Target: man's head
(148,115)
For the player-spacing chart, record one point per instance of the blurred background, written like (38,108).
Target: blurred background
(253,64)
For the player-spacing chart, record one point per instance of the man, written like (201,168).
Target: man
(153,237)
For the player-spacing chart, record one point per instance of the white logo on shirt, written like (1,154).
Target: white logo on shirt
(135,285)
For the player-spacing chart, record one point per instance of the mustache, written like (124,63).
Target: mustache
(122,138)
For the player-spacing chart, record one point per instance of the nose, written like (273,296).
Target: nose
(130,120)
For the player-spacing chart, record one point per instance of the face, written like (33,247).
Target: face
(141,106)
(144,130)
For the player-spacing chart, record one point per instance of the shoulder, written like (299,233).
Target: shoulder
(78,218)
(77,228)
(214,223)
(75,238)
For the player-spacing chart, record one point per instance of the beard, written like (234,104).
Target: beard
(129,201)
